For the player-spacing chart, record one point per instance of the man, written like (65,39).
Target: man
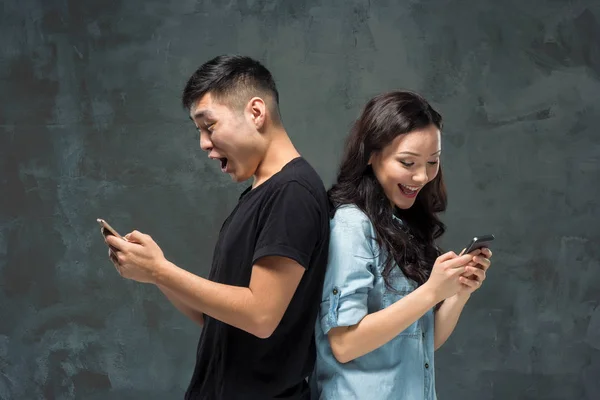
(260,302)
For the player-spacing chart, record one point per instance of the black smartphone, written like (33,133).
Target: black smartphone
(478,242)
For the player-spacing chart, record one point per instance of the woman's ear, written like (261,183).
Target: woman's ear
(372,157)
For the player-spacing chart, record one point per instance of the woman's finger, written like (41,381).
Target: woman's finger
(486,252)
(477,272)
(459,261)
(475,252)
(447,256)
(472,283)
(484,262)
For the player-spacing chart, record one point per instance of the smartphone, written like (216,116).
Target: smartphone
(478,242)
(107,229)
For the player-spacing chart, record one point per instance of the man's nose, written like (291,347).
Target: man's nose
(205,143)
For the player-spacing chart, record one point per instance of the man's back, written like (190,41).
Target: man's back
(286,216)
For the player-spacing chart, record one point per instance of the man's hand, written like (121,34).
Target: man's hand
(137,258)
(257,309)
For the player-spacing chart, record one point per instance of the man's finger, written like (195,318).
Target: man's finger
(115,242)
(113,258)
(136,237)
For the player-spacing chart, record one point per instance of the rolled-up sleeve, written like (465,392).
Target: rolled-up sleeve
(348,278)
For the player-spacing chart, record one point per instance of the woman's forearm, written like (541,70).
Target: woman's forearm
(378,328)
(446,318)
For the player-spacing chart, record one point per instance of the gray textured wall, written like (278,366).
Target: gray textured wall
(90,126)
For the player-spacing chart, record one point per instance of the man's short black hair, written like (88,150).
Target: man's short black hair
(233,80)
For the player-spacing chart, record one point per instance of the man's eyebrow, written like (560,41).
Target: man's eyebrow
(201,114)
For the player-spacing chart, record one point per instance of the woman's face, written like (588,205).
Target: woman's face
(407,164)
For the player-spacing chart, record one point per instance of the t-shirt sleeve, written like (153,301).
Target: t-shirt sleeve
(348,277)
(291,225)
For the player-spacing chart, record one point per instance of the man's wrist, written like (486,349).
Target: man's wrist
(158,274)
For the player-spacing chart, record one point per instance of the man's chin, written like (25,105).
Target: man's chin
(238,178)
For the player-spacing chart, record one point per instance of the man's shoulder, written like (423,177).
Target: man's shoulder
(298,173)
(301,168)
(297,178)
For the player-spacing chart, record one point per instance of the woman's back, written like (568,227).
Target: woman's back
(354,287)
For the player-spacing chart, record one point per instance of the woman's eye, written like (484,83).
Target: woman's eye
(432,162)
(407,164)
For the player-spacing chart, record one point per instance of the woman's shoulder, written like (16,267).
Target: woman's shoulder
(349,212)
(351,217)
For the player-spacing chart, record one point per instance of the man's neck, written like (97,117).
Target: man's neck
(280,152)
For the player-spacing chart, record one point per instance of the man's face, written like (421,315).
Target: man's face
(229,136)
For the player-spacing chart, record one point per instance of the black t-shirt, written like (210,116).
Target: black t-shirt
(286,216)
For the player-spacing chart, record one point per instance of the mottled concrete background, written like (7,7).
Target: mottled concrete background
(90,126)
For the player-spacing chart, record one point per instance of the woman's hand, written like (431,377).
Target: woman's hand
(444,280)
(475,271)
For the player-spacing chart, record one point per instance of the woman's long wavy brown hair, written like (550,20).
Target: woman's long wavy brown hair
(412,247)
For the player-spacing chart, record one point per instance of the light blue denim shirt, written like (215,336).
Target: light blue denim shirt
(402,369)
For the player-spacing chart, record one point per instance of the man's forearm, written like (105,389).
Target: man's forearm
(186,310)
(446,318)
(232,305)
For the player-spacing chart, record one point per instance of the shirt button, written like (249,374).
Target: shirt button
(426,365)
(335,291)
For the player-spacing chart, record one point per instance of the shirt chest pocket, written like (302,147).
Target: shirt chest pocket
(402,288)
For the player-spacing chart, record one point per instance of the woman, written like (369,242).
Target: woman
(386,278)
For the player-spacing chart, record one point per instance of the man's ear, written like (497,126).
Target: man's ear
(257,110)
